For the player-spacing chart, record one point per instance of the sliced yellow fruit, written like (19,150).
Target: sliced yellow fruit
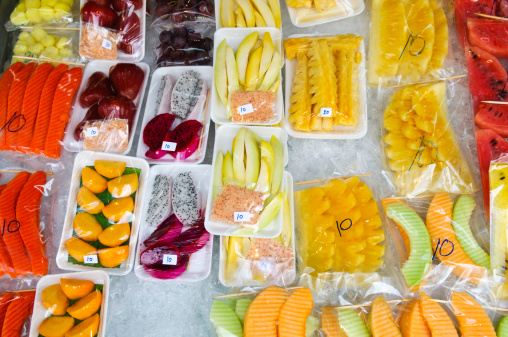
(56,326)
(86,306)
(110,169)
(93,180)
(78,249)
(88,328)
(75,289)
(113,257)
(123,186)
(86,226)
(54,300)
(115,235)
(89,201)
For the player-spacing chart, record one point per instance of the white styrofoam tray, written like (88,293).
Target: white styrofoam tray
(78,112)
(235,36)
(200,262)
(206,72)
(218,20)
(82,160)
(224,142)
(338,132)
(344,9)
(288,179)
(121,56)
(40,313)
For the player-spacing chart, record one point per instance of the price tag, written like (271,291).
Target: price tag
(92,132)
(168,146)
(170,259)
(264,266)
(325,112)
(245,109)
(91,259)
(242,216)
(107,44)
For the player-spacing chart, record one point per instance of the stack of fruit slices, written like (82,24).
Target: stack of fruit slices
(407,39)
(420,144)
(46,11)
(15,308)
(248,13)
(325,83)
(46,44)
(308,13)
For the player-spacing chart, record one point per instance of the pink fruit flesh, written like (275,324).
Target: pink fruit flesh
(156,129)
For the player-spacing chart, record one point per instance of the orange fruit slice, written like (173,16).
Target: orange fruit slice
(75,289)
(88,328)
(55,300)
(87,306)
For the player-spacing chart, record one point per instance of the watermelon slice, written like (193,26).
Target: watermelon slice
(490,146)
(490,35)
(467,9)
(487,77)
(494,117)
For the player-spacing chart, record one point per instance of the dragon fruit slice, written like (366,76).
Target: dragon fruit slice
(163,227)
(197,245)
(168,272)
(159,206)
(184,135)
(171,234)
(155,154)
(182,97)
(188,237)
(198,103)
(185,199)
(163,102)
(180,156)
(156,129)
(154,255)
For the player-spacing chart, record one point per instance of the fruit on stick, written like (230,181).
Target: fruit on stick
(437,319)
(381,321)
(225,320)
(263,313)
(294,312)
(412,322)
(352,324)
(472,318)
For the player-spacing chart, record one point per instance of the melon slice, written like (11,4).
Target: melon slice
(499,214)
(263,313)
(294,312)
(225,320)
(502,327)
(330,322)
(420,254)
(412,323)
(352,324)
(381,320)
(473,320)
(440,324)
(450,253)
(241,307)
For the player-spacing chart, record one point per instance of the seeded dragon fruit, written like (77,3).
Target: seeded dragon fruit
(183,97)
(159,206)
(186,137)
(185,199)
(163,102)
(156,129)
(199,100)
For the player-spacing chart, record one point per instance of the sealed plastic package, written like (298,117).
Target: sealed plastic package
(177,115)
(29,13)
(103,213)
(173,242)
(183,11)
(229,14)
(16,311)
(306,13)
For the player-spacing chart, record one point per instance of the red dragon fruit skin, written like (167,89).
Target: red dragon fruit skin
(183,135)
(156,129)
(168,272)
(180,156)
(154,255)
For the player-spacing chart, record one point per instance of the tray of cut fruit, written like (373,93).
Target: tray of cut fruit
(103,213)
(71,304)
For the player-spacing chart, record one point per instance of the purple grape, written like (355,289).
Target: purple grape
(179,42)
(162,9)
(166,37)
(193,36)
(180,30)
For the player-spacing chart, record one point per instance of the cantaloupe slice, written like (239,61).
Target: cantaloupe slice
(381,320)
(294,312)
(263,313)
(439,216)
(352,324)
(412,323)
(473,320)
(438,321)
(330,322)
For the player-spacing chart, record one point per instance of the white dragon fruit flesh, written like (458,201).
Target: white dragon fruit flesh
(163,103)
(159,207)
(183,97)
(185,199)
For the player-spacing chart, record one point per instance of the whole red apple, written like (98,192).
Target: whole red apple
(117,107)
(104,3)
(98,87)
(122,5)
(130,28)
(127,79)
(91,115)
(99,15)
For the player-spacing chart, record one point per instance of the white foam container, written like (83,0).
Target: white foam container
(235,36)
(338,132)
(288,180)
(40,313)
(218,21)
(200,262)
(87,158)
(121,56)
(224,142)
(78,112)
(349,8)
(206,73)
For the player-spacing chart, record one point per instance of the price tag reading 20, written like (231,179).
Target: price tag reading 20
(170,259)
(325,112)
(344,225)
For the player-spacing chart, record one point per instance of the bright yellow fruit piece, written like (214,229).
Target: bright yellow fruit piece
(123,186)
(75,289)
(54,300)
(119,209)
(78,248)
(115,235)
(113,257)
(89,201)
(56,326)
(110,169)
(86,226)
(93,180)
(86,306)
(88,328)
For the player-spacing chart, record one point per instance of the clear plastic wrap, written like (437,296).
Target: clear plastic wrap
(106,111)
(103,213)
(245,196)
(177,116)
(307,13)
(423,154)
(250,92)
(31,12)
(189,43)
(113,31)
(253,262)
(35,105)
(182,11)
(173,244)
(230,14)
(15,312)
(75,304)
(325,87)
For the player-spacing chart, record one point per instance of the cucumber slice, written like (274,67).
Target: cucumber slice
(311,325)
(225,320)
(241,308)
(462,211)
(420,252)
(352,324)
(502,327)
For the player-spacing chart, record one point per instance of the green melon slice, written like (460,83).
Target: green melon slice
(241,308)
(352,324)
(502,327)
(225,320)
(420,252)
(462,211)
(311,325)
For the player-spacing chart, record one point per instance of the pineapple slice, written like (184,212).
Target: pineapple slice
(296,45)
(300,109)
(347,85)
(388,37)
(420,40)
(324,5)
(440,49)
(300,3)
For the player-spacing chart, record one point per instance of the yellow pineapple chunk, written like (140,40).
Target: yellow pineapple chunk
(440,49)
(300,109)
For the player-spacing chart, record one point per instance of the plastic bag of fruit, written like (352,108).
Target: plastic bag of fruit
(173,242)
(16,309)
(189,43)
(426,137)
(47,12)
(180,11)
(113,30)
(46,43)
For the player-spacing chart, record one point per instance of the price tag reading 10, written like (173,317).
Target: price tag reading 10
(170,259)
(91,259)
(168,146)
(242,216)
(245,109)
(92,132)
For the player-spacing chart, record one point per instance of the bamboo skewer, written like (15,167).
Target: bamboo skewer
(17,171)
(250,293)
(204,121)
(20,291)
(495,102)
(48,60)
(50,28)
(327,179)
(429,81)
(492,17)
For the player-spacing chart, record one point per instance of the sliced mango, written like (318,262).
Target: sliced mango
(86,226)
(54,300)
(56,326)
(89,201)
(87,306)
(78,249)
(93,180)
(123,186)
(110,169)
(75,289)
(119,209)
(113,257)
(115,235)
